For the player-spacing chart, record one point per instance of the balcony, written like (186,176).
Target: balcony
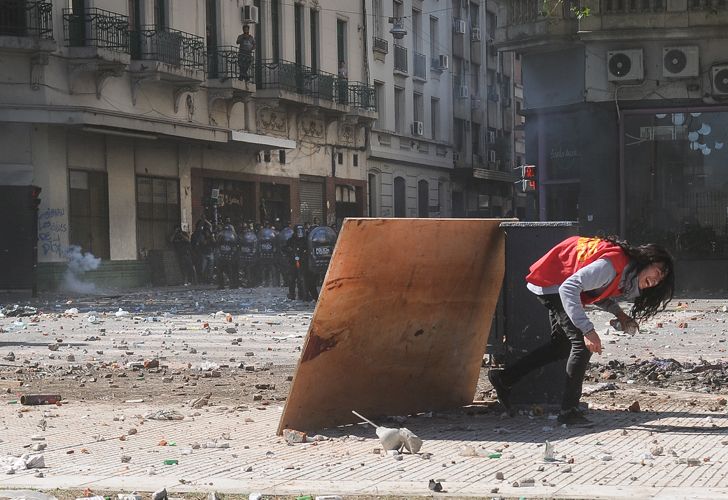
(26,26)
(299,84)
(169,55)
(420,66)
(632,17)
(532,24)
(229,72)
(380,45)
(537,23)
(400,60)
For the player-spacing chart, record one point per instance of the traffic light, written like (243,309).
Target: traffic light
(34,197)
(527,173)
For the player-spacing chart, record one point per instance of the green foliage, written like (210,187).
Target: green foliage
(549,7)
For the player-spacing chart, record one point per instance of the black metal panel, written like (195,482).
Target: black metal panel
(18,238)
(525,322)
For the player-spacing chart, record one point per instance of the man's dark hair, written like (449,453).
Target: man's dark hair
(654,299)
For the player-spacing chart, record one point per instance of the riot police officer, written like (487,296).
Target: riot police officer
(297,251)
(282,257)
(227,256)
(320,245)
(267,256)
(248,256)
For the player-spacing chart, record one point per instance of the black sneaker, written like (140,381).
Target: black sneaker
(574,418)
(502,391)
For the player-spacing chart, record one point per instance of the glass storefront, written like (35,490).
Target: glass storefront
(676,181)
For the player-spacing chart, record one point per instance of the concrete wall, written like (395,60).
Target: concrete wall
(553,78)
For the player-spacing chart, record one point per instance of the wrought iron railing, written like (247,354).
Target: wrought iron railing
(96,28)
(166,45)
(381,45)
(530,11)
(362,96)
(708,5)
(305,81)
(400,58)
(632,6)
(229,62)
(420,66)
(26,18)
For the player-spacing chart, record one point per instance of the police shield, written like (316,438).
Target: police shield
(248,246)
(267,244)
(321,243)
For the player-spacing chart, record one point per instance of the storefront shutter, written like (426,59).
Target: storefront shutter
(311,194)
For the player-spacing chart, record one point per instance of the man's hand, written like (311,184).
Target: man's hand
(593,342)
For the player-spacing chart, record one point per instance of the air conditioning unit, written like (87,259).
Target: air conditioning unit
(455,156)
(719,77)
(491,136)
(493,96)
(491,155)
(475,103)
(418,128)
(680,62)
(444,61)
(463,92)
(474,34)
(250,14)
(483,200)
(507,102)
(625,65)
(459,26)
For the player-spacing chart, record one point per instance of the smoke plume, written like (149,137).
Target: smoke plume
(78,264)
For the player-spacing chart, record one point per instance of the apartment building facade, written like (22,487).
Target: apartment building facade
(133,117)
(442,145)
(627,118)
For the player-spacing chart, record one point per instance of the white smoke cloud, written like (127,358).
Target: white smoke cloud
(78,264)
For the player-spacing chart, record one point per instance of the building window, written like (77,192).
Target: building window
(399,107)
(400,197)
(282,156)
(418,107)
(298,32)
(423,199)
(341,40)
(314,40)
(441,198)
(355,160)
(340,158)
(434,38)
(275,19)
(89,212)
(381,122)
(373,195)
(416,30)
(158,212)
(378,21)
(160,14)
(435,118)
(459,135)
(266,156)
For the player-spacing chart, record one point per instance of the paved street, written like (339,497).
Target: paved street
(105,436)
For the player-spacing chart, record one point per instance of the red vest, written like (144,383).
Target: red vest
(572,254)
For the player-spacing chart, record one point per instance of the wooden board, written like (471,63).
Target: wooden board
(402,321)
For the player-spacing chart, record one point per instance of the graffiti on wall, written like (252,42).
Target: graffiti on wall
(51,227)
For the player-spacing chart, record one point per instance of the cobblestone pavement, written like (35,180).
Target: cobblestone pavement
(676,447)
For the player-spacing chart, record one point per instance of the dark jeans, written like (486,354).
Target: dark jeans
(244,62)
(229,266)
(567,341)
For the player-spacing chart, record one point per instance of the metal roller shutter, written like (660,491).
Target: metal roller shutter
(311,194)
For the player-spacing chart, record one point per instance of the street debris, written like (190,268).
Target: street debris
(40,399)
(163,415)
(395,439)
(435,486)
(11,465)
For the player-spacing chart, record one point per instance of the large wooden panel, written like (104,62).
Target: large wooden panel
(402,321)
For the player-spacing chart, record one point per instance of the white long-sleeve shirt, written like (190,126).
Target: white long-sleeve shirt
(592,280)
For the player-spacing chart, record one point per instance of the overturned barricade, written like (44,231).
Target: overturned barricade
(402,322)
